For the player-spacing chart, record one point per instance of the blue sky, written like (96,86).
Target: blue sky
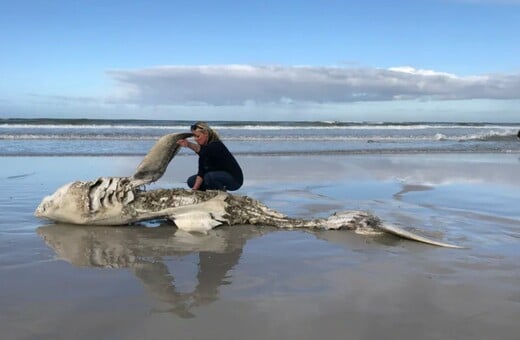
(423,60)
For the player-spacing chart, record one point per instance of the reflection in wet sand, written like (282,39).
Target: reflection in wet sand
(411,188)
(142,250)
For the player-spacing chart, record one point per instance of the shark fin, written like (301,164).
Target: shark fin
(398,231)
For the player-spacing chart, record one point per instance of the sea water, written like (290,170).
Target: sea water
(60,137)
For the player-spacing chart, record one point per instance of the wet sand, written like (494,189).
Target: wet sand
(155,282)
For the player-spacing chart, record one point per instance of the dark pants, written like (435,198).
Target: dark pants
(216,180)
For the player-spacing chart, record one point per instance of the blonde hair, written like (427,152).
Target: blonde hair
(204,127)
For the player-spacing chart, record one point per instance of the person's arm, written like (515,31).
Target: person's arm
(198,183)
(194,146)
(202,152)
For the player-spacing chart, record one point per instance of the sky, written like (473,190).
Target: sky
(421,60)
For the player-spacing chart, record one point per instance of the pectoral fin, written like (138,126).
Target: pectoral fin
(195,222)
(201,217)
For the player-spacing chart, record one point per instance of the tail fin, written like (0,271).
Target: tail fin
(392,229)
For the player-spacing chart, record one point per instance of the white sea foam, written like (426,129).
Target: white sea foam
(260,126)
(33,137)
(89,126)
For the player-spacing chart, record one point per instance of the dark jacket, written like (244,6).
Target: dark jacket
(216,157)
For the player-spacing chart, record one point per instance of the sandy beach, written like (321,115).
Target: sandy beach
(243,282)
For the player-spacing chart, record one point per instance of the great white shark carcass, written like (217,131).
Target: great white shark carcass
(121,201)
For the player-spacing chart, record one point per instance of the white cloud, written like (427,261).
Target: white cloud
(239,84)
(411,70)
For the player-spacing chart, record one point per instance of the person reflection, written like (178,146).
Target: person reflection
(212,273)
(143,249)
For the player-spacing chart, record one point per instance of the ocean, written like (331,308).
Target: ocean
(98,137)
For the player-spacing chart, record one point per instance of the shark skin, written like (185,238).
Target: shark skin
(118,201)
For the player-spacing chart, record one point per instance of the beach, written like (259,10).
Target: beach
(154,282)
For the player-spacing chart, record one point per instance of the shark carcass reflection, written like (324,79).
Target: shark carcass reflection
(145,250)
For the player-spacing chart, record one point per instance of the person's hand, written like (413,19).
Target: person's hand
(183,142)
(198,183)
